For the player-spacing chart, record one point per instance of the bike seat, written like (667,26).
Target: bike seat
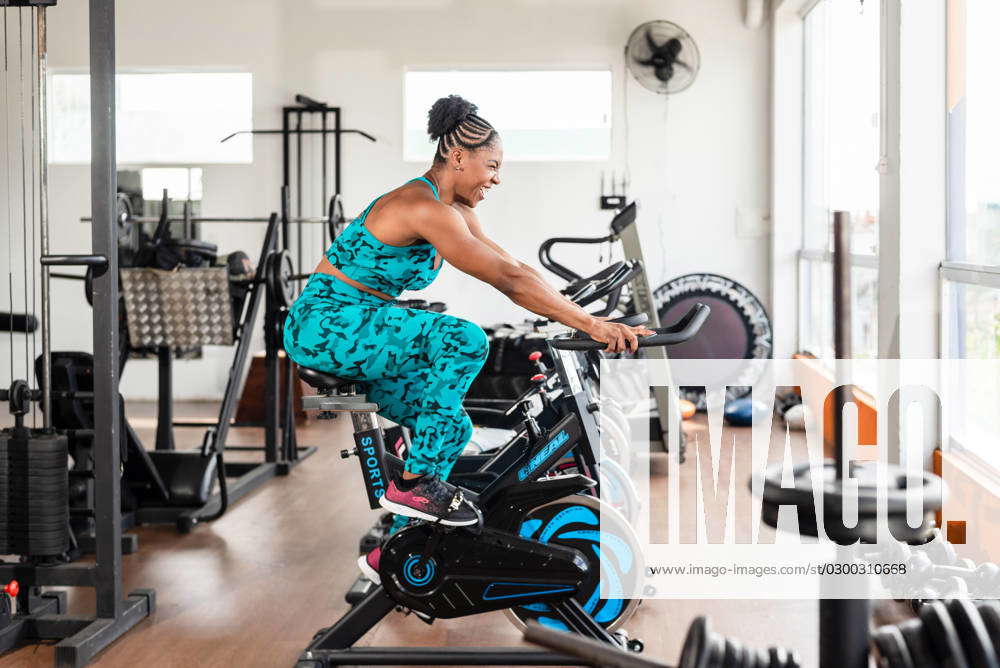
(322,381)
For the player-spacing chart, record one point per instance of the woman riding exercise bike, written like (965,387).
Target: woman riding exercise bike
(418,365)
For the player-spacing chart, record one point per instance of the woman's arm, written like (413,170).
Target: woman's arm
(452,236)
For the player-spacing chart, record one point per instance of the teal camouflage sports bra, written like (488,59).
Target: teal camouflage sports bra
(388,269)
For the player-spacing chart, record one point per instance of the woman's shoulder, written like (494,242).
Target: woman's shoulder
(416,199)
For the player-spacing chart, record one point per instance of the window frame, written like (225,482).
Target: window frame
(824,256)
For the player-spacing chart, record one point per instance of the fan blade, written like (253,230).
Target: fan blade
(673,46)
(645,63)
(681,63)
(653,46)
(664,73)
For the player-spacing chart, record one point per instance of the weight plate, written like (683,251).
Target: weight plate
(731,657)
(916,644)
(335,216)
(279,272)
(128,234)
(779,657)
(941,634)
(989,611)
(973,634)
(892,646)
(806,476)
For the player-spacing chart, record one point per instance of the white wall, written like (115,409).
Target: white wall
(695,158)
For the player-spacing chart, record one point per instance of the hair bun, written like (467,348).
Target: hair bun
(446,114)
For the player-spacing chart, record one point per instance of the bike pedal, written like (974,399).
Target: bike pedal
(361,588)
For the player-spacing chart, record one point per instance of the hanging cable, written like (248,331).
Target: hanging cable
(10,214)
(34,337)
(24,182)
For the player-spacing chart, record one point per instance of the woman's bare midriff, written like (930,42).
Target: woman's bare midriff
(324,267)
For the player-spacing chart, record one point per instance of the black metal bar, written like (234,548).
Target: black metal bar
(324,158)
(598,653)
(285,167)
(80,648)
(22,629)
(165,399)
(305,132)
(236,369)
(352,626)
(96,261)
(104,184)
(843,633)
(841,323)
(298,185)
(63,575)
(336,150)
(843,623)
(237,469)
(272,383)
(578,620)
(55,626)
(434,656)
(309,103)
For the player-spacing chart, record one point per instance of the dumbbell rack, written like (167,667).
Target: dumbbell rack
(959,633)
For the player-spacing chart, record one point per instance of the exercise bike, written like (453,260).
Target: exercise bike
(554,393)
(536,552)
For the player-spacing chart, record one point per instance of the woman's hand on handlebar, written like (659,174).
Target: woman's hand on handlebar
(618,337)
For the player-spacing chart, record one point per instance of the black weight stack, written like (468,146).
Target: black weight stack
(34,493)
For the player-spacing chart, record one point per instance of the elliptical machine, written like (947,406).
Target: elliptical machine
(536,553)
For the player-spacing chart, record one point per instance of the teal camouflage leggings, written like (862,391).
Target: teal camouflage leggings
(417,365)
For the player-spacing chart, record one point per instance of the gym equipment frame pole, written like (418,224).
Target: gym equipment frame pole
(43,213)
(104,184)
(843,623)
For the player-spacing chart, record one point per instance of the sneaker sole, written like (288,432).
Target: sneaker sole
(407,511)
(368,571)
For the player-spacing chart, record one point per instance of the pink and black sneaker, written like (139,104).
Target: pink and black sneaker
(432,499)
(368,563)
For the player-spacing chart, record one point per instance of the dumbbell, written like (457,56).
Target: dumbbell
(703,648)
(983,580)
(890,552)
(936,590)
(938,549)
(958,634)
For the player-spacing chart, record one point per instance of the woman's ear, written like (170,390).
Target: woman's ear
(457,159)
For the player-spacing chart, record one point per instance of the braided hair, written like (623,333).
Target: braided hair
(453,122)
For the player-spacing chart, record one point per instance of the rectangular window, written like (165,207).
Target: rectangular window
(541,115)
(162,117)
(841,145)
(971,275)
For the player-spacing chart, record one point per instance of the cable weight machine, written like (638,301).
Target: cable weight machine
(30,614)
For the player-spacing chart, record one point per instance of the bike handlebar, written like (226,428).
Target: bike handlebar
(679,332)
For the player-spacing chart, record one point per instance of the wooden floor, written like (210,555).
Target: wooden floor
(251,588)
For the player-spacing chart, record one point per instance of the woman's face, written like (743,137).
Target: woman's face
(480,172)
